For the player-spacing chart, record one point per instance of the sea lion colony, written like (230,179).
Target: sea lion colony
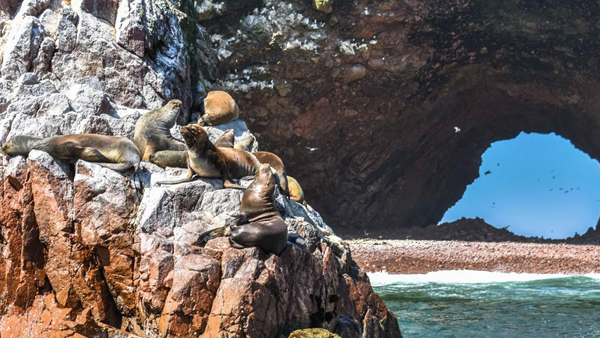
(260,224)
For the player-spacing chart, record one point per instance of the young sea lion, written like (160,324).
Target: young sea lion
(152,130)
(296,192)
(206,160)
(178,159)
(277,164)
(169,158)
(219,108)
(260,224)
(226,141)
(114,152)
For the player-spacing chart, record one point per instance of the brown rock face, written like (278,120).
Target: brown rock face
(378,87)
(90,251)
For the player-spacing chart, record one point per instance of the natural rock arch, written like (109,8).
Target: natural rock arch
(376,147)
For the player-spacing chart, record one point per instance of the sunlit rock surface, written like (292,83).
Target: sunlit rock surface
(105,251)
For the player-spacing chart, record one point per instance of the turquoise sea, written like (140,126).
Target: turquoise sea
(466,304)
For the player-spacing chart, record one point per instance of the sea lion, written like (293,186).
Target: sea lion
(178,159)
(206,160)
(296,192)
(277,164)
(260,224)
(226,140)
(169,158)
(114,152)
(152,130)
(247,143)
(219,108)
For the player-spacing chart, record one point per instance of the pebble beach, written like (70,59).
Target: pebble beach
(422,256)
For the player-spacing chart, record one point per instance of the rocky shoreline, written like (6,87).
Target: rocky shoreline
(417,257)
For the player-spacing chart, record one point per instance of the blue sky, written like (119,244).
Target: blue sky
(539,185)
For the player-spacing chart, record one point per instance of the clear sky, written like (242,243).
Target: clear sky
(538,184)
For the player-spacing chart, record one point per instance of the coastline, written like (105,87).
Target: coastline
(423,256)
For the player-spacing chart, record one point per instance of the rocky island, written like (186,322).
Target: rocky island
(92,252)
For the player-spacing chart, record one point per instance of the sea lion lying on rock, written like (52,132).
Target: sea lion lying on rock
(296,192)
(227,141)
(260,224)
(152,130)
(178,159)
(169,158)
(219,108)
(114,152)
(206,160)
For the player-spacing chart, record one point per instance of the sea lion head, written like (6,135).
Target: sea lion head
(266,179)
(195,136)
(16,146)
(174,105)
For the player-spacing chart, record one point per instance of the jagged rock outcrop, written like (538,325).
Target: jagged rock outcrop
(92,250)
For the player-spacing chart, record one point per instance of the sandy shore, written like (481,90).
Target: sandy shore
(410,257)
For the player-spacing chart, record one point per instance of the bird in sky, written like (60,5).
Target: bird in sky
(487,172)
(456,129)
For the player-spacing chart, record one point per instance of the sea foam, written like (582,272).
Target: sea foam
(464,277)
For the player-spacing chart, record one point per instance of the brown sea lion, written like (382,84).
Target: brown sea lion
(206,160)
(226,140)
(260,224)
(276,163)
(219,108)
(247,143)
(152,130)
(114,152)
(296,192)
(169,158)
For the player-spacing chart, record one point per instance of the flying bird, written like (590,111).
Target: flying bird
(487,172)
(456,129)
(311,149)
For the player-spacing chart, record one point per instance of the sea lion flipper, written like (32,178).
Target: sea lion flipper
(116,166)
(187,178)
(217,232)
(92,155)
(226,140)
(232,185)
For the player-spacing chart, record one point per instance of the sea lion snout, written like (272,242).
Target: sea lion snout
(175,104)
(5,147)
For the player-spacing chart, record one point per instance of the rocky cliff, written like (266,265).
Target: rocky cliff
(87,251)
(361,101)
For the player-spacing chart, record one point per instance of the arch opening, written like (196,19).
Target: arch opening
(534,185)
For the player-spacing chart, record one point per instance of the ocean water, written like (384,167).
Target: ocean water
(467,304)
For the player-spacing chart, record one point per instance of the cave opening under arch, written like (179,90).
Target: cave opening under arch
(535,185)
(434,159)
